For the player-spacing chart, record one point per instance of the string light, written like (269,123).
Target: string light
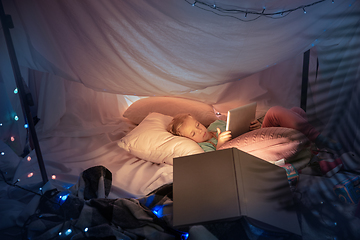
(225,12)
(16,91)
(28,158)
(86,229)
(184,236)
(2,153)
(26,125)
(16,118)
(0,124)
(53,177)
(12,139)
(30,175)
(68,232)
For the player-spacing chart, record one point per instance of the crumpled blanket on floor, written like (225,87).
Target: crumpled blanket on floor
(84,212)
(78,213)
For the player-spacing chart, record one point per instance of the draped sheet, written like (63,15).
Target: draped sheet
(164,47)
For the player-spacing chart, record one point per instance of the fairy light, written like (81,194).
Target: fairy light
(16,91)
(68,232)
(28,158)
(16,118)
(2,153)
(0,124)
(86,229)
(227,12)
(12,139)
(26,125)
(185,236)
(30,175)
(53,176)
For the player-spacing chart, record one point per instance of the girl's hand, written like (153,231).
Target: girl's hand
(223,137)
(255,125)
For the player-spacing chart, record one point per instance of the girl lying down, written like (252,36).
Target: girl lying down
(213,137)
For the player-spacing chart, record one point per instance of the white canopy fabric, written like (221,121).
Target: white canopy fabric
(166,47)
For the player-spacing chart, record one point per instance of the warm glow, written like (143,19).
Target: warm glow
(53,176)
(12,139)
(29,158)
(30,175)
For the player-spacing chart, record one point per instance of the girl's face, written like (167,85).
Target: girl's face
(194,130)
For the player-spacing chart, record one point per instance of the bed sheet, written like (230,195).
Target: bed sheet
(66,157)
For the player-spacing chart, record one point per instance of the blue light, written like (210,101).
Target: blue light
(304,10)
(69,231)
(86,229)
(0,124)
(62,198)
(59,233)
(2,153)
(184,236)
(16,118)
(26,125)
(158,211)
(16,90)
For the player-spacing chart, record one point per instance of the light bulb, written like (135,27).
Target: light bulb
(68,232)
(2,153)
(16,90)
(29,158)
(30,175)
(12,138)
(16,118)
(86,229)
(26,125)
(0,124)
(53,177)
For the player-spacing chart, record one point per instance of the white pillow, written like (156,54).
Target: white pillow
(150,141)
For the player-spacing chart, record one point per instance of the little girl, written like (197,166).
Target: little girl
(214,136)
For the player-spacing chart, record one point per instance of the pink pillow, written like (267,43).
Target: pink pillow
(170,106)
(270,144)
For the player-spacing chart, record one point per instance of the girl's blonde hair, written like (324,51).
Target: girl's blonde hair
(175,124)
